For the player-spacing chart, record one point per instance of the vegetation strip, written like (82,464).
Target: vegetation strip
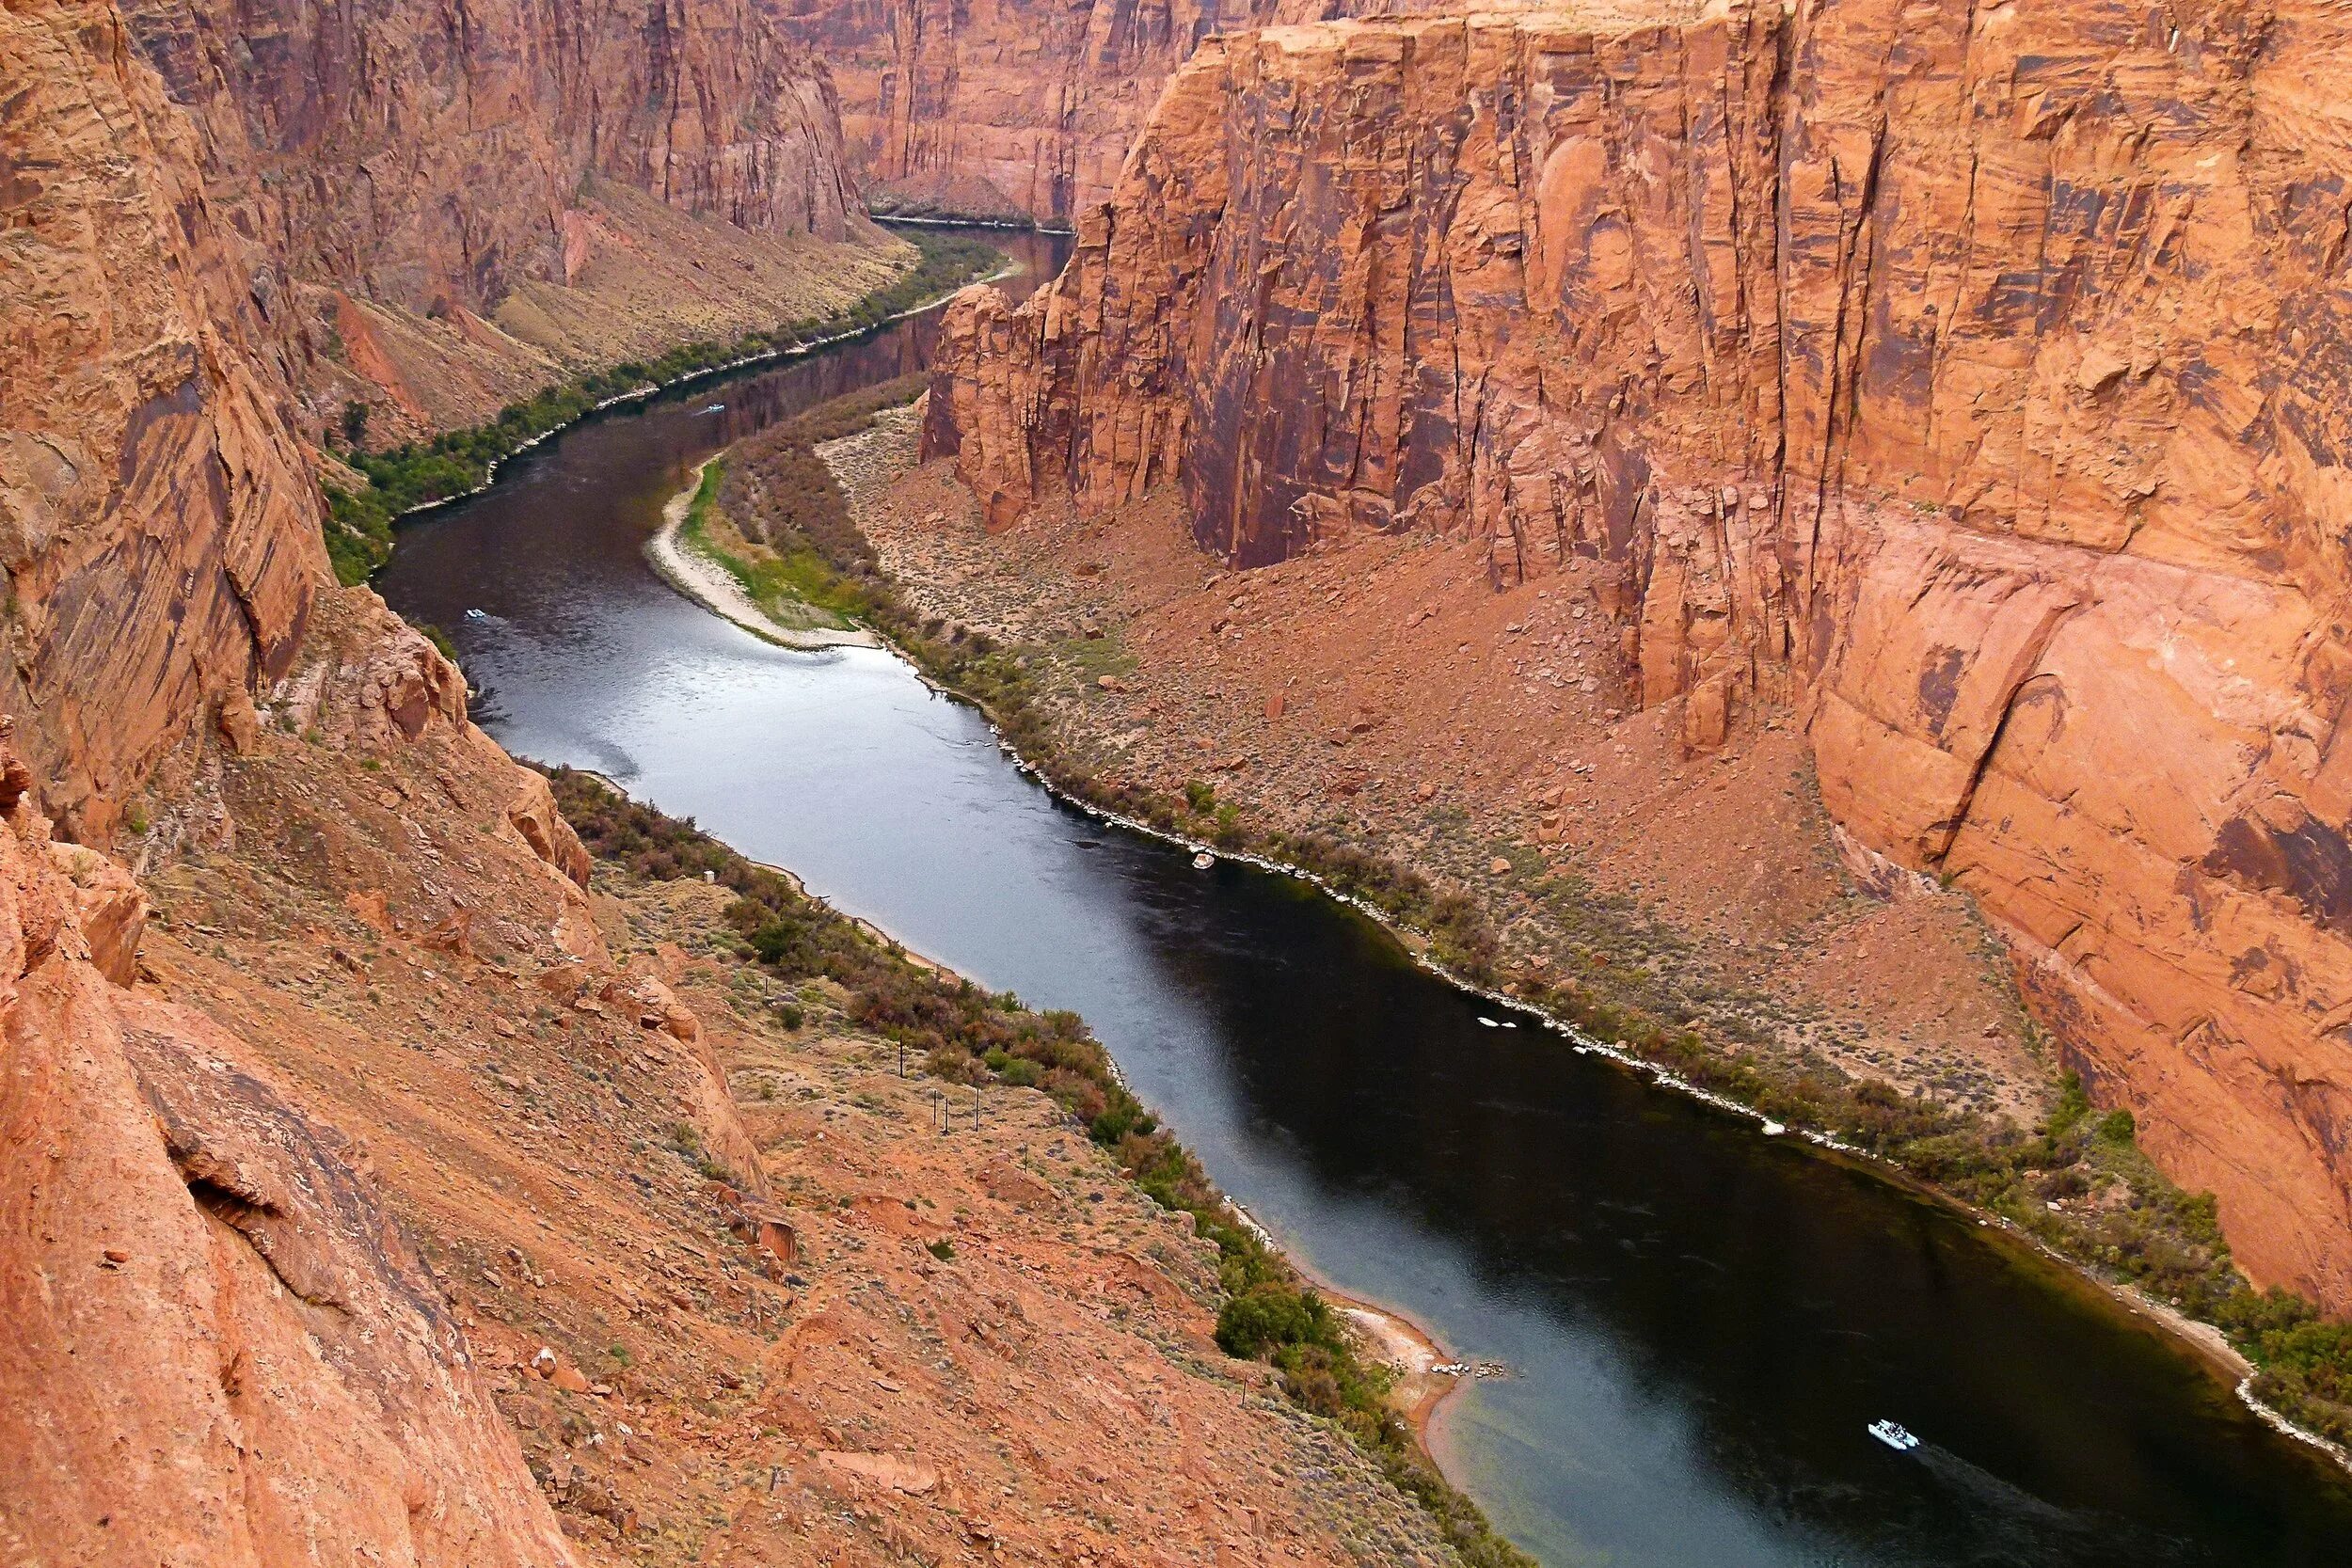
(964,1034)
(2078,1186)
(359,524)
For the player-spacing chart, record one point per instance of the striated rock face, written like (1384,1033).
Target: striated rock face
(223,224)
(1005,109)
(1971,380)
(240,1358)
(1009,109)
(397,174)
(158,523)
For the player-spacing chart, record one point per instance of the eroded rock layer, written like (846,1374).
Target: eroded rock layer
(1969,379)
(222,1348)
(422,194)
(1008,109)
(158,522)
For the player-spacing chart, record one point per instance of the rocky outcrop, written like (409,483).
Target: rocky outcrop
(239,1358)
(1968,380)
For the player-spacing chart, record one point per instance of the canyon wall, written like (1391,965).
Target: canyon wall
(1970,381)
(158,520)
(1008,110)
(1003,109)
(222,1348)
(224,224)
(492,196)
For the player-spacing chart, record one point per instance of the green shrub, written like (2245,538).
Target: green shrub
(1268,1316)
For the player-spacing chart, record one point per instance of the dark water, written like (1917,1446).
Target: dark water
(1699,1320)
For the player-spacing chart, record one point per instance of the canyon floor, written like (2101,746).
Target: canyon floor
(1384,691)
(742,1299)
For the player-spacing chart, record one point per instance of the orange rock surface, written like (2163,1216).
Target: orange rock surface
(158,522)
(1965,381)
(220,1343)
(1008,110)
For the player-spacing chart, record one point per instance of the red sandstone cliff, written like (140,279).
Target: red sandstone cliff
(223,226)
(443,210)
(1008,109)
(221,1347)
(158,522)
(1968,379)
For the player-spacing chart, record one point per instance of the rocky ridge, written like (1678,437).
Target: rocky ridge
(1959,382)
(221,1340)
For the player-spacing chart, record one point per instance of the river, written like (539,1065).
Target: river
(1697,1321)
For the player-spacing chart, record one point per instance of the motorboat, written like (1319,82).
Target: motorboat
(1894,1435)
(1203,860)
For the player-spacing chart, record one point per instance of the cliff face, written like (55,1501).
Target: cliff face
(221,227)
(222,1347)
(1004,109)
(1968,380)
(158,522)
(1008,109)
(500,194)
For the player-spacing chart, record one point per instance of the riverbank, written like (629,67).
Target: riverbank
(717,1270)
(1266,1312)
(1423,1373)
(697,571)
(1105,658)
(367,491)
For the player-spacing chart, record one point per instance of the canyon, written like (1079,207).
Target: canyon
(384,1175)
(1008,112)
(345,1127)
(1962,385)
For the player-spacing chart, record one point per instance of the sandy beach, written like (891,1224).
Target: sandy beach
(1397,1342)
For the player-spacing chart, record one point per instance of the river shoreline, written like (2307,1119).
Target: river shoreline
(2205,1343)
(1486,1434)
(1392,1338)
(677,562)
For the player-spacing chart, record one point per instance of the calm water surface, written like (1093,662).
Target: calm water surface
(1698,1321)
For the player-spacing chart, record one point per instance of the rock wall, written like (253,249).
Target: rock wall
(1008,109)
(397,174)
(1969,379)
(158,522)
(224,224)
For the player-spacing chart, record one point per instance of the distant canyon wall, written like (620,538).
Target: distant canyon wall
(1011,109)
(1975,381)
(439,210)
